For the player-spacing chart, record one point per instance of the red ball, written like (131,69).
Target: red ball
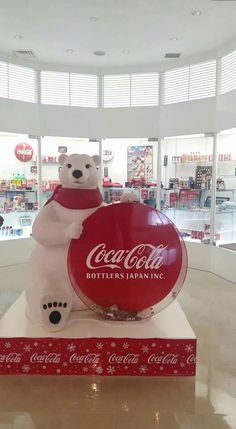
(129,263)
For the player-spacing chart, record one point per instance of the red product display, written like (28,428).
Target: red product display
(133,266)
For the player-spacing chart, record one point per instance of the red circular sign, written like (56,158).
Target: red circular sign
(129,263)
(24,152)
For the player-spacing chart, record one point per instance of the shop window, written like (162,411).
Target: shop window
(18,185)
(51,148)
(129,165)
(225,217)
(187,185)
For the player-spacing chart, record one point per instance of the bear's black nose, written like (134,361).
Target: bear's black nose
(77,174)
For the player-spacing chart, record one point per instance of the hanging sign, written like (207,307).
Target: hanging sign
(133,266)
(24,152)
(107,155)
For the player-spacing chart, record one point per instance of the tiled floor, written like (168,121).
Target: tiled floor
(206,402)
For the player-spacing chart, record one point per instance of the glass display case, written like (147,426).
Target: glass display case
(186,177)
(130,165)
(225,217)
(18,185)
(51,148)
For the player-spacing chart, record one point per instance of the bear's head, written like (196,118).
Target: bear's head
(79,171)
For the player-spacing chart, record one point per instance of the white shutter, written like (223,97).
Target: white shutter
(202,80)
(228,73)
(22,83)
(144,89)
(3,80)
(55,88)
(117,90)
(176,85)
(83,90)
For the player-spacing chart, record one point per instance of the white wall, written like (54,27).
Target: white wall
(191,117)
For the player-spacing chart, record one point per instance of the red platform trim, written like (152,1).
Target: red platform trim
(97,356)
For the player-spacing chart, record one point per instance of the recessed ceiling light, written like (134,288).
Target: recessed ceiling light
(174,39)
(18,37)
(93,18)
(126,51)
(70,51)
(196,13)
(99,53)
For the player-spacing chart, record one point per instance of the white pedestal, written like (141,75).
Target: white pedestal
(88,345)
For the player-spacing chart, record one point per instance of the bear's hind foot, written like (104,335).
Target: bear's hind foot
(55,310)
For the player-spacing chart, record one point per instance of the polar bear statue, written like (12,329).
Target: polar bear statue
(49,294)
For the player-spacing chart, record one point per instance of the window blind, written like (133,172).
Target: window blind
(83,90)
(55,88)
(3,80)
(190,83)
(228,73)
(202,80)
(116,90)
(145,89)
(22,83)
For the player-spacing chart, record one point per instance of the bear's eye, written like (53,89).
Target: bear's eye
(87,165)
(69,165)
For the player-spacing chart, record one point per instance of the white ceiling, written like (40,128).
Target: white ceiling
(144,27)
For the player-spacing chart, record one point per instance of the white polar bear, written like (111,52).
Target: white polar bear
(49,294)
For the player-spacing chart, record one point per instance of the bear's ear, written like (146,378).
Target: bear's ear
(97,159)
(62,158)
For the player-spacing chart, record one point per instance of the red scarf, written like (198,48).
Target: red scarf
(75,199)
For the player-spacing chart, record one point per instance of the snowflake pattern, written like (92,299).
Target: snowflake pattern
(153,344)
(99,370)
(161,368)
(143,369)
(167,345)
(175,371)
(25,368)
(58,371)
(182,365)
(145,349)
(111,370)
(44,367)
(7,345)
(85,369)
(65,364)
(27,348)
(188,348)
(99,346)
(113,344)
(71,347)
(36,344)
(125,346)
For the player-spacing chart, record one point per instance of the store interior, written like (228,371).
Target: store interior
(151,88)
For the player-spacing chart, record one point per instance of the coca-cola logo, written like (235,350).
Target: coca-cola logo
(191,359)
(11,358)
(169,359)
(53,358)
(136,258)
(24,152)
(91,358)
(130,358)
(128,258)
